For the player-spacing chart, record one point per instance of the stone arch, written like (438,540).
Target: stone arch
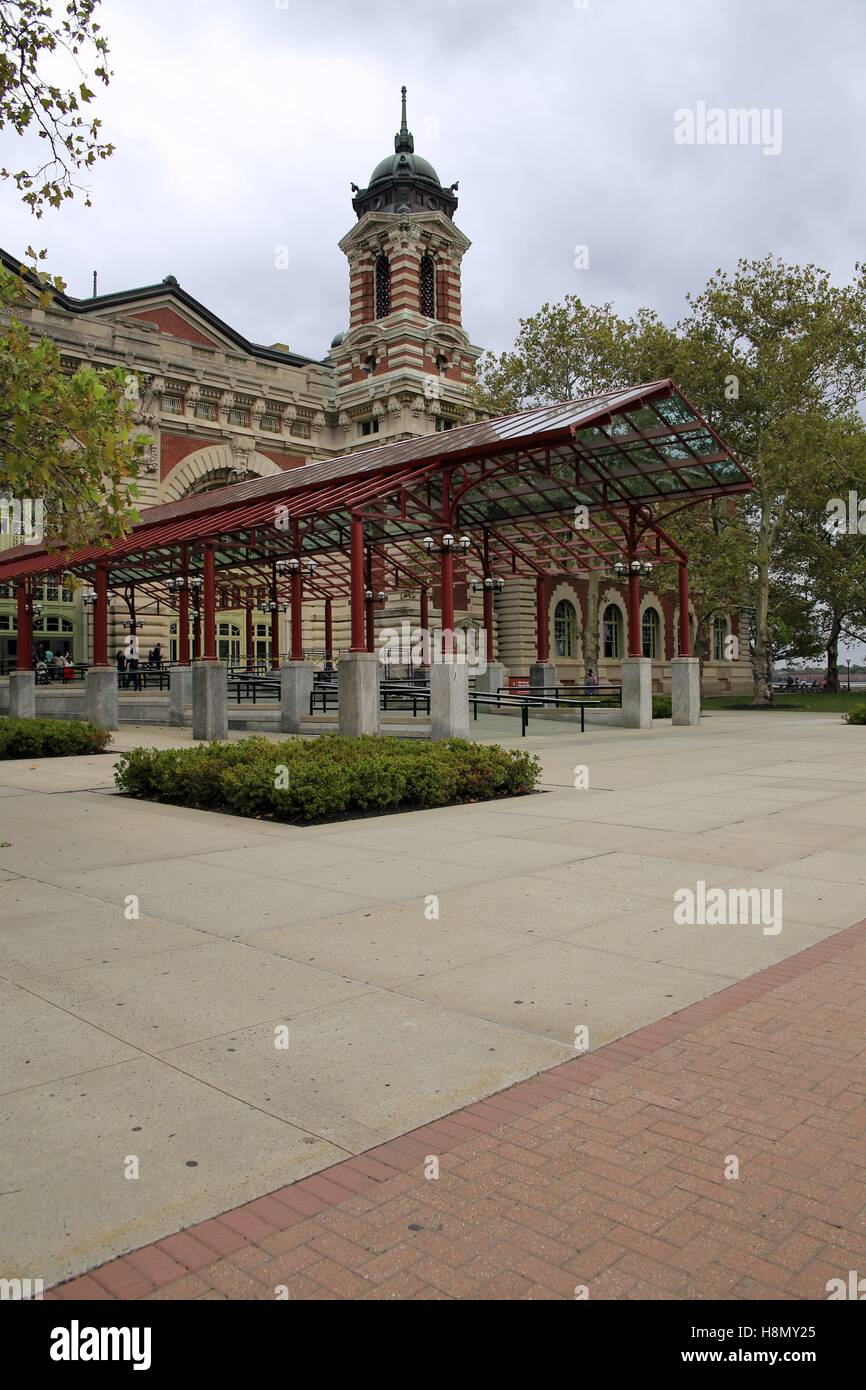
(212,463)
(565,592)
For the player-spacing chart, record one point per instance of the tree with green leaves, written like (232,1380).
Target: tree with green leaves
(68,440)
(773,356)
(33,40)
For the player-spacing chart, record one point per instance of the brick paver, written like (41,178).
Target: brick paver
(607,1172)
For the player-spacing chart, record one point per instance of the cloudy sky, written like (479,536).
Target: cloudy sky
(239,125)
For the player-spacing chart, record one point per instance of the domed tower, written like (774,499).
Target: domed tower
(405,365)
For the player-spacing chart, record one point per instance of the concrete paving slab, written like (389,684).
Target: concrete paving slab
(553,987)
(67,1203)
(735,951)
(372,1068)
(87,933)
(538,906)
(386,945)
(40,1042)
(173,997)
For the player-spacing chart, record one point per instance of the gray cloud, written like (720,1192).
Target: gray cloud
(240,123)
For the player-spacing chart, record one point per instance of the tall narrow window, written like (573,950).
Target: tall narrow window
(564,628)
(428,287)
(383,287)
(651,633)
(720,639)
(612,629)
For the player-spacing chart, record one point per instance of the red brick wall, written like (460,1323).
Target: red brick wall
(284,460)
(173,448)
(170,322)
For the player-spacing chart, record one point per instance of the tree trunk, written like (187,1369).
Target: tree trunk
(833,654)
(762,660)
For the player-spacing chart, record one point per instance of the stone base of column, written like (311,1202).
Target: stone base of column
(180,694)
(637,700)
(358,677)
(100,696)
(449,701)
(22,694)
(488,681)
(210,718)
(296,684)
(686,690)
(540,675)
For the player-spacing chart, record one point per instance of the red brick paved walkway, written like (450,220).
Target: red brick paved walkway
(606,1172)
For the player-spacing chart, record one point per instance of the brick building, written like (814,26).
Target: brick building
(219,408)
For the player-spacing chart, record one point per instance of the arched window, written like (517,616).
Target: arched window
(651,633)
(565,628)
(720,638)
(428,287)
(612,631)
(383,287)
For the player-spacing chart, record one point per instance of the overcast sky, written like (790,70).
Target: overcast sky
(239,125)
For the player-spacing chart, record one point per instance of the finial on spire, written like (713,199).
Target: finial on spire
(403,141)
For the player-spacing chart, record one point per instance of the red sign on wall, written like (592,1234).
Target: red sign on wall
(518,682)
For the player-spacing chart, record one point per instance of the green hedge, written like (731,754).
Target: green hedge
(857,715)
(327,777)
(50,738)
(662,707)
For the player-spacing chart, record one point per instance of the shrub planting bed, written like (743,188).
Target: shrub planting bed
(50,738)
(325,778)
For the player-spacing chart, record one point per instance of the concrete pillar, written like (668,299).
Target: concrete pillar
(449,700)
(180,694)
(358,677)
(637,703)
(209,700)
(487,682)
(540,675)
(296,683)
(22,694)
(100,692)
(686,690)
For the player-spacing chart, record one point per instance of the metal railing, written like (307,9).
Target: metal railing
(392,697)
(252,689)
(605,695)
(525,702)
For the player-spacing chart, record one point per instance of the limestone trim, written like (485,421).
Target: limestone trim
(191,472)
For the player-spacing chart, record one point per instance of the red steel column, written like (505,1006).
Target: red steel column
(275,638)
(24,659)
(209,605)
(359,639)
(371,626)
(329,630)
(297,583)
(183,625)
(447,583)
(425,623)
(685,625)
(100,618)
(542,636)
(250,636)
(488,624)
(635,645)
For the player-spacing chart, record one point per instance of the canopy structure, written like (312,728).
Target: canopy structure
(565,488)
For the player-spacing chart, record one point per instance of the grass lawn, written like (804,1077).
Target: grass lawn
(810,700)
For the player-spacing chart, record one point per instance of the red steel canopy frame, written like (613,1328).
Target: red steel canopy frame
(521,488)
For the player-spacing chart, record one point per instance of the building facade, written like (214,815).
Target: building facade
(218,409)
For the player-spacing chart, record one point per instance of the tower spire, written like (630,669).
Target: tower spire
(404,140)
